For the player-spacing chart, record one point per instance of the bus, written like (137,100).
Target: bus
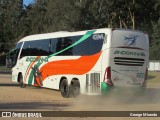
(85,62)
(9,58)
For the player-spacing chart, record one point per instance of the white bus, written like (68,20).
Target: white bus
(86,62)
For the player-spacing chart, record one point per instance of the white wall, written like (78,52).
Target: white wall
(154,66)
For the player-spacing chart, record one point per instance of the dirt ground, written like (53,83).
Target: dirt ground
(14,98)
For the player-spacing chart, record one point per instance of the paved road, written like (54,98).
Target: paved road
(12,97)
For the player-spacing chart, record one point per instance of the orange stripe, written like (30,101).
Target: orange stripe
(78,66)
(30,67)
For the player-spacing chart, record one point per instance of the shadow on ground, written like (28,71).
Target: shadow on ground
(8,85)
(150,77)
(32,106)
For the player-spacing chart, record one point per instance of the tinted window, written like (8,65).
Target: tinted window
(64,46)
(36,48)
(18,47)
(25,50)
(40,48)
(43,47)
(68,46)
(13,55)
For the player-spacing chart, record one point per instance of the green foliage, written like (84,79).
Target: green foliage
(155,44)
(10,14)
(2,59)
(42,16)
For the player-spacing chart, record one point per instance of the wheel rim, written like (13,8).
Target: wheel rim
(21,83)
(65,89)
(76,90)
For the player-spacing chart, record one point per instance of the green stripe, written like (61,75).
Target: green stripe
(32,74)
(88,34)
(31,78)
(84,37)
(27,70)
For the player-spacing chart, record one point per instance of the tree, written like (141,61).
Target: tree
(155,36)
(18,21)
(60,15)
(155,45)
(93,14)
(9,18)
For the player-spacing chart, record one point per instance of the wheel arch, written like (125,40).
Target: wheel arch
(75,79)
(75,87)
(19,76)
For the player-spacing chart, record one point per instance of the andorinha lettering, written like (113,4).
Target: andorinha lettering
(40,60)
(129,53)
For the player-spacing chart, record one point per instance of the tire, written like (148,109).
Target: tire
(64,88)
(143,88)
(144,85)
(21,83)
(75,88)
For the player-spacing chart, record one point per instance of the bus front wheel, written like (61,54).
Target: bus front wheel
(20,80)
(64,88)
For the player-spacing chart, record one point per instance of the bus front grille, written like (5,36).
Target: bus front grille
(93,83)
(128,61)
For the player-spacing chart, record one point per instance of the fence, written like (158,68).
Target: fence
(154,66)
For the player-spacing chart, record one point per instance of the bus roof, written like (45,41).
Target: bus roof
(65,34)
(57,34)
(44,36)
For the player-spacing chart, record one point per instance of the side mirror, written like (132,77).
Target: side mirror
(9,63)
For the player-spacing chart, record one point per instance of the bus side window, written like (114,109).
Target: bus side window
(25,50)
(35,48)
(45,49)
(67,42)
(59,45)
(53,46)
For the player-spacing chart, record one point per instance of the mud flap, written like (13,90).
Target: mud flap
(105,89)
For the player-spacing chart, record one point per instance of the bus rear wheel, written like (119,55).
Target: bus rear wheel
(75,88)
(64,88)
(20,80)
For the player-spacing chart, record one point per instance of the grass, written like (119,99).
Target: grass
(153,77)
(4,68)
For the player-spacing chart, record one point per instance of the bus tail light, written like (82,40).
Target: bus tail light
(107,77)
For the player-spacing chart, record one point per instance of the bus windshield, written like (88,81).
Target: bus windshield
(12,56)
